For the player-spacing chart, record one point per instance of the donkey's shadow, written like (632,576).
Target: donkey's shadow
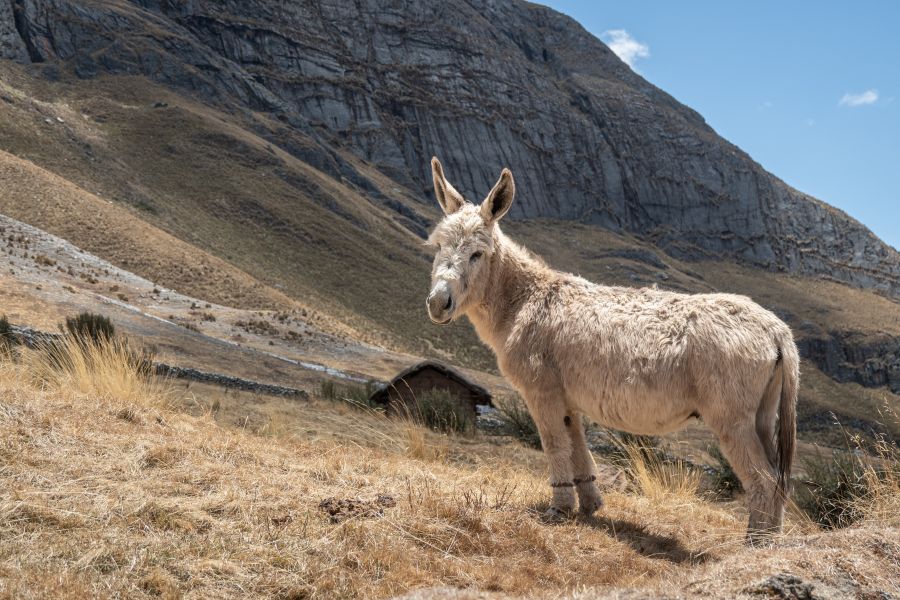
(635,535)
(648,544)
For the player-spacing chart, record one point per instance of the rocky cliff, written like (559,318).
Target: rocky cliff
(871,361)
(481,83)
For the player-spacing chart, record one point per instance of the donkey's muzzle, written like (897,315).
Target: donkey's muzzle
(440,303)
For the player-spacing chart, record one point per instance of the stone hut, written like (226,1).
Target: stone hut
(400,395)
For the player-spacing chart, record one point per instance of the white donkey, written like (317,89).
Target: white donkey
(645,361)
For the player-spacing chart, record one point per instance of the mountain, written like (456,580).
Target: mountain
(483,84)
(258,154)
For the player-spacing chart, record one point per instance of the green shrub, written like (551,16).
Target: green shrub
(517,422)
(834,483)
(441,411)
(860,482)
(90,327)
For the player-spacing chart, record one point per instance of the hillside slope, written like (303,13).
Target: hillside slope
(482,84)
(106,491)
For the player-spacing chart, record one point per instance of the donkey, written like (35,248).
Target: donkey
(646,361)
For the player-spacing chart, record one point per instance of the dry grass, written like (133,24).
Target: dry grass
(660,480)
(879,505)
(105,490)
(108,371)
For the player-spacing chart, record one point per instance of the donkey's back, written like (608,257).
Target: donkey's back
(646,360)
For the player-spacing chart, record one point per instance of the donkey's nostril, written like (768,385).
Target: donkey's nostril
(449,303)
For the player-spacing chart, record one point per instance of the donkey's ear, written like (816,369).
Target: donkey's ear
(449,199)
(499,199)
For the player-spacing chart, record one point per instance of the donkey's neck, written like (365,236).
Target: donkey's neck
(515,276)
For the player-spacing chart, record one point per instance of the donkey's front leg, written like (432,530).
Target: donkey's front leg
(549,413)
(589,499)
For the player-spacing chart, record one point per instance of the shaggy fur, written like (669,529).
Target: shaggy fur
(640,360)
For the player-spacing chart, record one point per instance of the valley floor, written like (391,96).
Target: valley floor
(109,489)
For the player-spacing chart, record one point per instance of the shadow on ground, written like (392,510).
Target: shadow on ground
(648,544)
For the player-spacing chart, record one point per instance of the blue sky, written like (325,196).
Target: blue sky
(811,90)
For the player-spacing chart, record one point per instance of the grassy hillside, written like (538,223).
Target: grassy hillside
(208,203)
(206,178)
(107,490)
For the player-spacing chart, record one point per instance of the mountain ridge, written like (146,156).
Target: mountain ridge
(484,85)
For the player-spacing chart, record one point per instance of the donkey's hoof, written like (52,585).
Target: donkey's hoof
(760,538)
(556,515)
(589,506)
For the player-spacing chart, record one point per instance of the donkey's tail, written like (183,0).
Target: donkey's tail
(787,413)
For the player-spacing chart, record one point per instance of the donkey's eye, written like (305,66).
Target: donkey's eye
(475,256)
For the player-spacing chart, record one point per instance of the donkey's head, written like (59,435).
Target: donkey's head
(464,245)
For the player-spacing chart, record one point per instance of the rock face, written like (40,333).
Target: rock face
(11,43)
(483,84)
(871,361)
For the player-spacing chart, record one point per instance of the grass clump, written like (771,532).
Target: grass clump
(7,337)
(621,446)
(844,487)
(859,483)
(829,492)
(107,368)
(90,326)
(655,474)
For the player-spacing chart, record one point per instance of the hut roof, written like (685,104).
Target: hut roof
(482,396)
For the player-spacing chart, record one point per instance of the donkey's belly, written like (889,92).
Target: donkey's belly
(638,410)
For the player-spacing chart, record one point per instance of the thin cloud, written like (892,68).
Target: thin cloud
(854,100)
(625,47)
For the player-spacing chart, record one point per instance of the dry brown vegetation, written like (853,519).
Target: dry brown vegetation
(107,490)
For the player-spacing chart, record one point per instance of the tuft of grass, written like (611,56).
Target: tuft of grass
(440,411)
(844,487)
(621,446)
(92,327)
(421,446)
(655,475)
(7,338)
(107,369)
(834,482)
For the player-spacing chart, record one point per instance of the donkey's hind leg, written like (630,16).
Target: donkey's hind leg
(747,455)
(585,470)
(549,413)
